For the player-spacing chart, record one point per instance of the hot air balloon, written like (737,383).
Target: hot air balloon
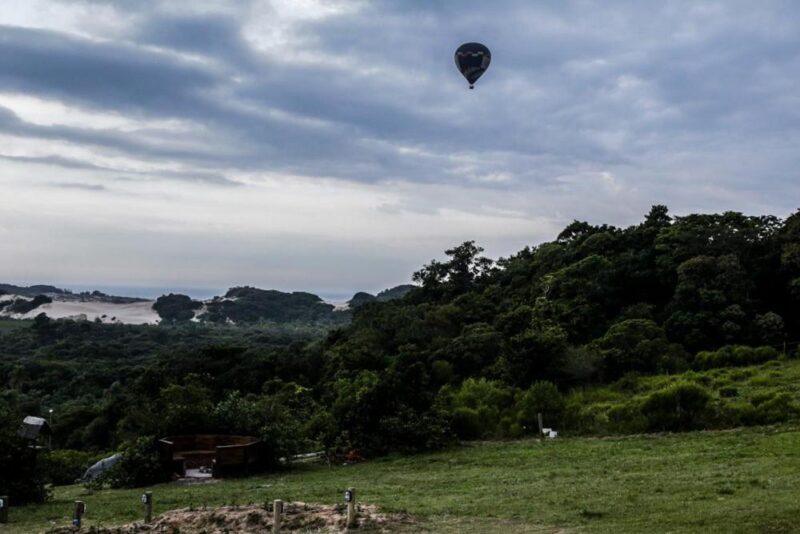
(472,60)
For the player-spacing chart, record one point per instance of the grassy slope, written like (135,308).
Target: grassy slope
(744,480)
(751,384)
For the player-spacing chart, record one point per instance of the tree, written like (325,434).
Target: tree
(637,345)
(459,273)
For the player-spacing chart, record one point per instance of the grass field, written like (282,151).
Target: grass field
(744,480)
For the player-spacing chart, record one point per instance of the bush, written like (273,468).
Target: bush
(627,418)
(734,355)
(776,409)
(65,466)
(736,413)
(544,398)
(478,406)
(139,465)
(682,406)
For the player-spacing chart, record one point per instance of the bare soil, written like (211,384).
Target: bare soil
(297,517)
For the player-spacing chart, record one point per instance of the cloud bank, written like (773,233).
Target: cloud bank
(333,146)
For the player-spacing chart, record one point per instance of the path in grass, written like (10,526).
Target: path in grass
(732,481)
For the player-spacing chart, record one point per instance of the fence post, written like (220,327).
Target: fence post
(541,424)
(277,515)
(3,508)
(147,500)
(350,499)
(77,515)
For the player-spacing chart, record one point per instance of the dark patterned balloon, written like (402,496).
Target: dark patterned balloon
(472,59)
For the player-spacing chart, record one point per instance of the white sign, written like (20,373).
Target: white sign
(2,503)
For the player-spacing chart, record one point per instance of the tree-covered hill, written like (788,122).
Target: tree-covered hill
(31,291)
(671,324)
(386,295)
(590,307)
(250,304)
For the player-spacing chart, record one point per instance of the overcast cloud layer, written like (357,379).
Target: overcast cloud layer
(332,145)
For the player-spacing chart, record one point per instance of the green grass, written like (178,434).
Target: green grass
(744,480)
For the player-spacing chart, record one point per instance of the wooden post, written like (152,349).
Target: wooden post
(77,515)
(350,497)
(541,425)
(277,515)
(3,508)
(147,500)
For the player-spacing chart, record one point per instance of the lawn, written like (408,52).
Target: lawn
(744,480)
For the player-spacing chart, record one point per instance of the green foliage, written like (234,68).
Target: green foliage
(544,398)
(776,408)
(682,406)
(138,465)
(536,353)
(253,305)
(175,308)
(638,345)
(187,408)
(65,466)
(479,408)
(734,355)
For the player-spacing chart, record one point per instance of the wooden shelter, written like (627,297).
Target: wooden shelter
(34,428)
(217,454)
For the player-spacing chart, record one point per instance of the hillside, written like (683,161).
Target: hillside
(743,480)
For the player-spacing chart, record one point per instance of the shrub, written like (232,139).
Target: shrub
(734,355)
(732,414)
(682,406)
(777,409)
(544,398)
(478,406)
(138,465)
(627,418)
(65,466)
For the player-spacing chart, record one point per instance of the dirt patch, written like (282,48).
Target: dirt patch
(297,517)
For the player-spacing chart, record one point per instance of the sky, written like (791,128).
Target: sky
(332,146)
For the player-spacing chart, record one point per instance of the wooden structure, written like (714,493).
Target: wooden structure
(220,454)
(34,428)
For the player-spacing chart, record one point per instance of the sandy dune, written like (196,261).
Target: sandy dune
(131,313)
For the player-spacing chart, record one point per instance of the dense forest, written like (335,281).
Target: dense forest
(475,350)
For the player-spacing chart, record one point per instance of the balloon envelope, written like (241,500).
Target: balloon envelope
(472,60)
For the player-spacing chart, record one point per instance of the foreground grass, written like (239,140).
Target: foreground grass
(744,480)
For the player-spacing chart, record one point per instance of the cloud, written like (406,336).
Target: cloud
(588,111)
(76,185)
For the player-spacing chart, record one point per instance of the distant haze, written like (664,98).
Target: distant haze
(331,146)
